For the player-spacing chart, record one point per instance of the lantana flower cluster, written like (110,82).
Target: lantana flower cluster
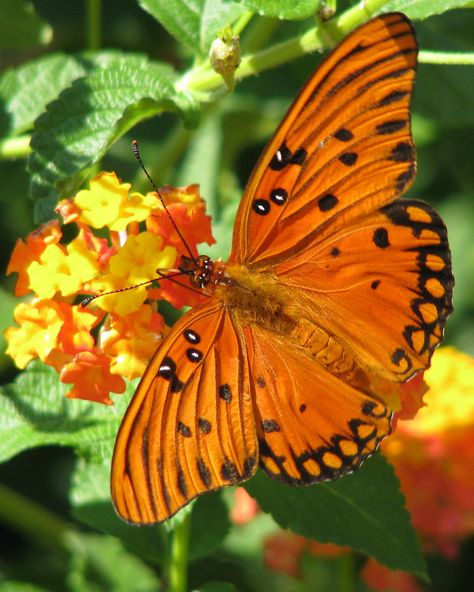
(110,239)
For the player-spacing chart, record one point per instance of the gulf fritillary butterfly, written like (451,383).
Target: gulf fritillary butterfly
(335,293)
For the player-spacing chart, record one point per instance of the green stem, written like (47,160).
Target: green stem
(15,147)
(243,21)
(444,57)
(178,566)
(94,24)
(31,519)
(204,80)
(346,573)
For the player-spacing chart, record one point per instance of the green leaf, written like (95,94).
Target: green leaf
(20,26)
(194,23)
(79,127)
(210,524)
(34,412)
(364,510)
(283,9)
(26,90)
(12,586)
(455,92)
(91,502)
(216,587)
(206,140)
(101,563)
(421,9)
(7,305)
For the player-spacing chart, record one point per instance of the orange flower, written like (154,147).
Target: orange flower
(283,551)
(25,253)
(188,212)
(90,374)
(245,507)
(380,578)
(67,336)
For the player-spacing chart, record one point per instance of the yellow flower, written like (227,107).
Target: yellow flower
(450,400)
(136,209)
(136,262)
(101,203)
(63,270)
(40,323)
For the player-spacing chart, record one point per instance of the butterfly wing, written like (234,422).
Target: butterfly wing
(344,147)
(381,287)
(190,426)
(311,425)
(321,210)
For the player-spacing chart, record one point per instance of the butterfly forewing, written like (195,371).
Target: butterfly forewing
(344,147)
(190,426)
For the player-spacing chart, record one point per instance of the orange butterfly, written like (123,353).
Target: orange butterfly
(334,294)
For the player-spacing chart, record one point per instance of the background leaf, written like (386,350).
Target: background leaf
(34,412)
(91,502)
(21,27)
(421,9)
(283,9)
(102,563)
(195,23)
(364,511)
(90,116)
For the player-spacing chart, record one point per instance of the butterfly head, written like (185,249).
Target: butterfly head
(200,270)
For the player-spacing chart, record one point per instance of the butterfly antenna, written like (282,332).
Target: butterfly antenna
(88,299)
(136,153)
(161,276)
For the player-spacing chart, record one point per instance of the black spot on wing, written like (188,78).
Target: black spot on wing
(390,127)
(344,135)
(270,425)
(225,392)
(284,157)
(261,207)
(348,158)
(204,425)
(191,336)
(380,238)
(327,202)
(402,152)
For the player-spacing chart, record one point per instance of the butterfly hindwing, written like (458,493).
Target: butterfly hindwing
(311,425)
(190,426)
(344,147)
(381,286)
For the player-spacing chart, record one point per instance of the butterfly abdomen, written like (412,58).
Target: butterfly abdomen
(324,349)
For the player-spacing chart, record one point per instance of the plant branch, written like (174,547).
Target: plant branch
(32,520)
(18,147)
(178,565)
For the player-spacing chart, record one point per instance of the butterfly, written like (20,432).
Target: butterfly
(335,293)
